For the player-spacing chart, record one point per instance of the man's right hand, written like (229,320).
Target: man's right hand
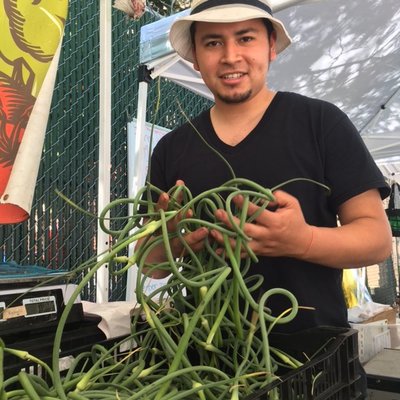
(194,239)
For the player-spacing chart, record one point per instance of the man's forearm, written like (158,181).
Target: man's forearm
(351,246)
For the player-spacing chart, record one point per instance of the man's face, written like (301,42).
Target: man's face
(233,58)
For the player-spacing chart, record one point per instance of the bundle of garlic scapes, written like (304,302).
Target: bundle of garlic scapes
(204,338)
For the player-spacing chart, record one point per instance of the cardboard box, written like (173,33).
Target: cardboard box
(389,315)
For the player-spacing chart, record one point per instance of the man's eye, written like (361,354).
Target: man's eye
(246,39)
(213,43)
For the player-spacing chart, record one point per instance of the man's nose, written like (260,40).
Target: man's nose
(231,52)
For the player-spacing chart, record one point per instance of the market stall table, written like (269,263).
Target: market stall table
(383,374)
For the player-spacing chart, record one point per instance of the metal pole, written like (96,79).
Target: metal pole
(103,240)
(136,175)
(283,4)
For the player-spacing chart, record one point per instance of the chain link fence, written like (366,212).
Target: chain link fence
(57,236)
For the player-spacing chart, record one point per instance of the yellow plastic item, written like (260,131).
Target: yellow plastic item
(349,285)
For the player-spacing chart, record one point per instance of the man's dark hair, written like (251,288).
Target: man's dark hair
(267,23)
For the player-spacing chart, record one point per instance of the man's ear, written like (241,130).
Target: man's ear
(272,46)
(195,64)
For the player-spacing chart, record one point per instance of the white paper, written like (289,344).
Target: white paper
(115,316)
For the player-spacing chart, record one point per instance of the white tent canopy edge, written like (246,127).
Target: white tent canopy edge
(346,53)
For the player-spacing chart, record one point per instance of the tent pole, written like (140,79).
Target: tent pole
(136,176)
(104,182)
(283,4)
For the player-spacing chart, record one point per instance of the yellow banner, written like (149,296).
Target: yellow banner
(31,33)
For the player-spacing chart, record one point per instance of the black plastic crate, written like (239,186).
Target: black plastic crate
(77,337)
(331,374)
(334,353)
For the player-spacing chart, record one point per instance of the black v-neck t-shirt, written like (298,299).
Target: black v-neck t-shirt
(297,137)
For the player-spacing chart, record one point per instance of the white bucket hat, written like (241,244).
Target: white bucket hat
(223,11)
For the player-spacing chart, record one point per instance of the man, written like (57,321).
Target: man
(271,137)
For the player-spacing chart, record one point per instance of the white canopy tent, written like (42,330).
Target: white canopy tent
(346,52)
